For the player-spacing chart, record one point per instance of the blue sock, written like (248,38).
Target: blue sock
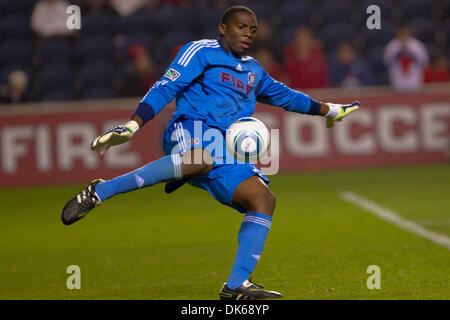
(251,238)
(164,169)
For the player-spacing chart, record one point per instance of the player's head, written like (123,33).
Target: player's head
(238,29)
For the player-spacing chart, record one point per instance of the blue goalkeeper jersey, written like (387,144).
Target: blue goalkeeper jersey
(211,84)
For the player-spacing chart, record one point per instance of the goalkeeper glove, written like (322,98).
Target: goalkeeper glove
(339,111)
(114,136)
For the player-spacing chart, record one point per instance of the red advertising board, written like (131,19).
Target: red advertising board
(51,145)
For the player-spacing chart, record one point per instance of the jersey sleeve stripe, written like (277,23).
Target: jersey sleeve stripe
(193,50)
(188,52)
(193,46)
(188,58)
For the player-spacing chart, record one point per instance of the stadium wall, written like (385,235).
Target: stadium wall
(48,143)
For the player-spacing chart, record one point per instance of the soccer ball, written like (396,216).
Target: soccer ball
(247,139)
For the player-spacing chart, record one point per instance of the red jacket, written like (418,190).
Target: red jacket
(309,73)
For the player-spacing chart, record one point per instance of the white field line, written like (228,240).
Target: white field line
(394,218)
(434,222)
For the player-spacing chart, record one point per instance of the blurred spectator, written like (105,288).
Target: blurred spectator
(96,6)
(15,90)
(305,62)
(268,62)
(349,70)
(265,39)
(174,3)
(220,4)
(406,58)
(142,74)
(128,7)
(49,18)
(438,70)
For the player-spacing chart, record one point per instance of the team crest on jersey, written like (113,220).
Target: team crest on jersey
(251,78)
(172,74)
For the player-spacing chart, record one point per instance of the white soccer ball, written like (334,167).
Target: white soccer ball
(247,139)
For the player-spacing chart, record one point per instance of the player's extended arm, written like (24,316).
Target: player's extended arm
(178,76)
(276,93)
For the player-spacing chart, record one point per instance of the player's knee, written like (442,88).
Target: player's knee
(264,203)
(196,162)
(270,202)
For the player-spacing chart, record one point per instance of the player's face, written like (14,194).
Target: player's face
(240,33)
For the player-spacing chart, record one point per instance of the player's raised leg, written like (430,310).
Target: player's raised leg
(253,195)
(168,168)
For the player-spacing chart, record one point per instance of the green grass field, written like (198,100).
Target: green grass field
(150,245)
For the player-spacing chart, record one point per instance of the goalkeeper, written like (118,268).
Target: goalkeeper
(214,83)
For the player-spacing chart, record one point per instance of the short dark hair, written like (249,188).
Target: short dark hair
(231,11)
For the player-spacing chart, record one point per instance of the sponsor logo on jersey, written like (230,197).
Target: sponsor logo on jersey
(172,74)
(239,67)
(225,77)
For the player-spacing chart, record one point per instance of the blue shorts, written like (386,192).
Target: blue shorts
(227,173)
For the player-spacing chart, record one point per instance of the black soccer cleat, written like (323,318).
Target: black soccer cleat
(247,291)
(77,207)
